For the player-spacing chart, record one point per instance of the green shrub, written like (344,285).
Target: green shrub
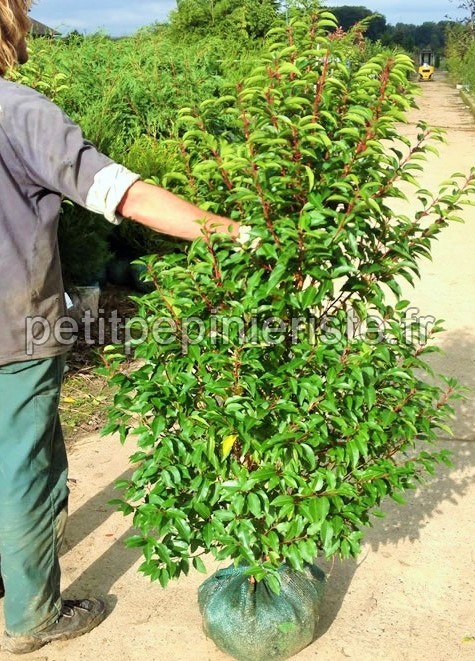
(125,95)
(267,432)
(122,90)
(461,55)
(241,20)
(83,245)
(51,83)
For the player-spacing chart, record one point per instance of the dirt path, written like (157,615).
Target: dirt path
(410,596)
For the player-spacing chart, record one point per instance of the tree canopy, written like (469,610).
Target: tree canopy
(249,18)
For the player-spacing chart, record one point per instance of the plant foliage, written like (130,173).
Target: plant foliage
(461,55)
(237,19)
(125,95)
(267,429)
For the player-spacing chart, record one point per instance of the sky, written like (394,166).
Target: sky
(121,17)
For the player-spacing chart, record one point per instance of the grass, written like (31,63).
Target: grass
(84,399)
(86,395)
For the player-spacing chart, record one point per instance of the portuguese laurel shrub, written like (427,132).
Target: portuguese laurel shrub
(281,388)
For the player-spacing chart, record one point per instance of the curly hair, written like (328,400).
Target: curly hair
(14,26)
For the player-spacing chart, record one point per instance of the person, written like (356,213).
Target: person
(43,157)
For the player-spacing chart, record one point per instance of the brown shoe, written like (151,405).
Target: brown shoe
(77,618)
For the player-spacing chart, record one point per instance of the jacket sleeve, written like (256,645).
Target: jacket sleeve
(56,157)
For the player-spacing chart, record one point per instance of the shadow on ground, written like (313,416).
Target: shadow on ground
(457,360)
(103,573)
(401,523)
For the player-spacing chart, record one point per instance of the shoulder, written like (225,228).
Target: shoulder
(19,104)
(12,93)
(29,120)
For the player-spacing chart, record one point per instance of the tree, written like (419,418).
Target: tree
(279,392)
(403,35)
(461,53)
(425,35)
(469,6)
(245,18)
(348,16)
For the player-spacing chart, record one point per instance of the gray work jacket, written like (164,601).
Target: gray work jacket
(43,157)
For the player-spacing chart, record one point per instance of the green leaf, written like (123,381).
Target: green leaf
(282,500)
(164,577)
(254,504)
(398,498)
(199,565)
(273,583)
(295,558)
(311,178)
(202,509)
(135,541)
(320,507)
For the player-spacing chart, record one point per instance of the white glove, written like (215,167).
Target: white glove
(244,240)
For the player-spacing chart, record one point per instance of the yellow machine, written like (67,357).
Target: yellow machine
(426,65)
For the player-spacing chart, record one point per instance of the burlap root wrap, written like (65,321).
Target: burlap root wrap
(251,623)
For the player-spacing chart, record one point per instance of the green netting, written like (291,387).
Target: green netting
(251,623)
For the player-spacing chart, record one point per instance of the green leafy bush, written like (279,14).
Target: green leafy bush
(241,20)
(83,239)
(461,55)
(125,95)
(282,388)
(51,83)
(128,91)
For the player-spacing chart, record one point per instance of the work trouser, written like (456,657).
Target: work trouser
(33,492)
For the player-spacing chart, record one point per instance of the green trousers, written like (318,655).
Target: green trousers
(33,492)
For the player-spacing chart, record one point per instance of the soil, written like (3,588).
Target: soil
(85,392)
(85,354)
(409,596)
